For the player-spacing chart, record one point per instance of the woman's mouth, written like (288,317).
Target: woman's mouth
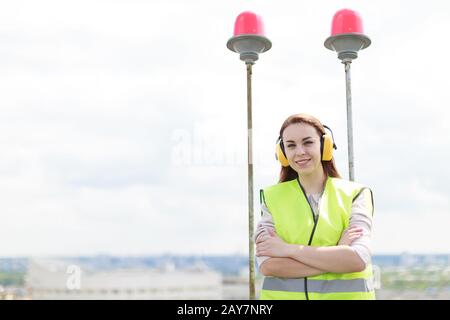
(302,162)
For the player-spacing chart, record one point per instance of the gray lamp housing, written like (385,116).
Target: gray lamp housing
(347,45)
(249,46)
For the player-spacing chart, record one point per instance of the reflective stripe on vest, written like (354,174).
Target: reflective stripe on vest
(318,286)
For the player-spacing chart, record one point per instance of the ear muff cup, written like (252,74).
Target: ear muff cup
(327,146)
(280,155)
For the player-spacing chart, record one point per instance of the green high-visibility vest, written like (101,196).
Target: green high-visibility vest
(295,223)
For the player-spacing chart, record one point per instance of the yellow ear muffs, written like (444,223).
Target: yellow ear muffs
(326,144)
(327,147)
(279,154)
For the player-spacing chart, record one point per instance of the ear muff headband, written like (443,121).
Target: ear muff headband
(326,148)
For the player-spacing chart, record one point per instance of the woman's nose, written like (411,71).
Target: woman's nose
(299,150)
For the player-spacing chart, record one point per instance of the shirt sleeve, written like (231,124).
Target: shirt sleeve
(264,224)
(361,216)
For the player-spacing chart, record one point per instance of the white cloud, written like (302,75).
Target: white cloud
(423,233)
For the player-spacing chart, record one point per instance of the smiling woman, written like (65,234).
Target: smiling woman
(313,241)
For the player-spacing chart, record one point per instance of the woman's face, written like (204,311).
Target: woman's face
(302,147)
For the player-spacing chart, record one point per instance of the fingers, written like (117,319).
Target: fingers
(355,236)
(260,251)
(354,231)
(262,243)
(271,232)
(351,234)
(353,228)
(261,238)
(267,233)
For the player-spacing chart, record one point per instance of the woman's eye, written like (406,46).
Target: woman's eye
(291,145)
(308,142)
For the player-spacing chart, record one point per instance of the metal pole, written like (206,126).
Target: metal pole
(351,168)
(251,249)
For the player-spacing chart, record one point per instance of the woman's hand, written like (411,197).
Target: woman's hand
(270,244)
(349,235)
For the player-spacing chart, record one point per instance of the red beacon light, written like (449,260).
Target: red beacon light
(248,39)
(347,35)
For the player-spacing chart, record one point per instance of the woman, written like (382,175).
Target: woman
(313,241)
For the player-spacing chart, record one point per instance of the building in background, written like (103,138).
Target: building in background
(60,279)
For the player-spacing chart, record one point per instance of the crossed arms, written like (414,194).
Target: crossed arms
(297,261)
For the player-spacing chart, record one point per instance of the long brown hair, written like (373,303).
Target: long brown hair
(329,167)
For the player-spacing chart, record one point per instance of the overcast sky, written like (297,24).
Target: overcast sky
(123,123)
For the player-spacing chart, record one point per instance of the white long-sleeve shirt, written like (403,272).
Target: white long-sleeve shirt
(361,216)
